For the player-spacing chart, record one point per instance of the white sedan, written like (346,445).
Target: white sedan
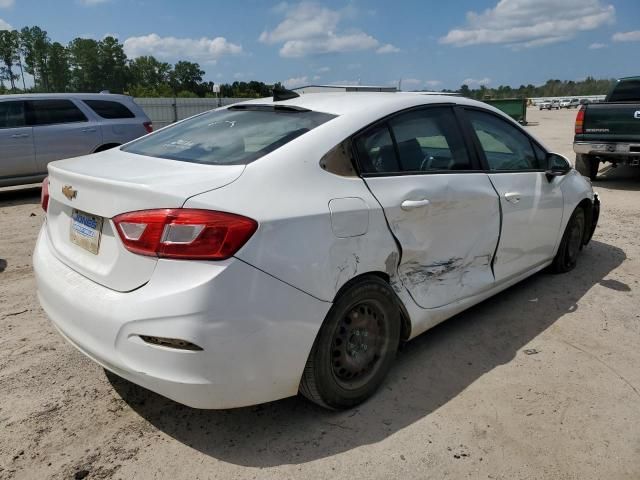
(288,245)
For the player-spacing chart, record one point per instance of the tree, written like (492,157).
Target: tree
(34,44)
(59,67)
(112,64)
(186,76)
(9,54)
(84,60)
(148,73)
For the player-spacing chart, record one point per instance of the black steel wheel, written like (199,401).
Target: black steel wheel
(355,346)
(571,243)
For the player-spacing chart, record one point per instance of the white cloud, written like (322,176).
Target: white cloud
(324,69)
(473,82)
(432,83)
(6,4)
(530,23)
(345,82)
(4,25)
(387,48)
(295,82)
(633,36)
(204,50)
(411,83)
(316,77)
(309,28)
(91,3)
(597,46)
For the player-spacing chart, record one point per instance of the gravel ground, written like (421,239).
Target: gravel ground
(541,382)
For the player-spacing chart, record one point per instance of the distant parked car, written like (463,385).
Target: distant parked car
(565,103)
(36,129)
(575,103)
(545,105)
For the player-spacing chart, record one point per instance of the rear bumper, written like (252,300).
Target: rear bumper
(255,331)
(622,150)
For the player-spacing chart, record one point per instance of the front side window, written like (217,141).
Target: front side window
(49,112)
(108,109)
(12,114)
(505,147)
(235,136)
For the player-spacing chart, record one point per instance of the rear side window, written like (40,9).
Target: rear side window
(108,109)
(48,112)
(235,136)
(12,114)
(626,91)
(505,147)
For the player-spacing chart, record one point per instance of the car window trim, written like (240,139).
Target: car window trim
(24,115)
(478,146)
(473,157)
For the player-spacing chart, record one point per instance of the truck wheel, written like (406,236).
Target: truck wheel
(355,347)
(571,243)
(587,165)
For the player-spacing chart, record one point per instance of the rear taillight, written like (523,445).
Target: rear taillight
(148,126)
(184,233)
(580,121)
(44,194)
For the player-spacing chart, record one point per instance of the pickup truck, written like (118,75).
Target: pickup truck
(609,131)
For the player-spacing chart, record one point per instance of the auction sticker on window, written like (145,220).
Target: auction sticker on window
(86,230)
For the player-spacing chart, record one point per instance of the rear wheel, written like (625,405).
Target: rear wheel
(587,165)
(355,346)
(571,243)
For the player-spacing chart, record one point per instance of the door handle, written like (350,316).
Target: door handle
(20,135)
(512,197)
(88,130)
(413,204)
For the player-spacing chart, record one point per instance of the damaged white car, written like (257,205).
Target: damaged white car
(288,245)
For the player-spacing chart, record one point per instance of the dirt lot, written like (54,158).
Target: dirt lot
(541,382)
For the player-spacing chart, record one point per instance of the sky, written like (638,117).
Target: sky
(426,44)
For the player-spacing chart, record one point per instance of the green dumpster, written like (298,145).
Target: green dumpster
(516,108)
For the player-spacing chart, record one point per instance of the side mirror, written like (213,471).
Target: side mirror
(557,165)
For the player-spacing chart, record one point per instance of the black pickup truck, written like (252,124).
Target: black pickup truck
(609,131)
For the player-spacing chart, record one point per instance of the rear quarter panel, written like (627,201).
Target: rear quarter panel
(289,194)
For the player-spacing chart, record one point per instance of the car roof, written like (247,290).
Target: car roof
(346,103)
(80,96)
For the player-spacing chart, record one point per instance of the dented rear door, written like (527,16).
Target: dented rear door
(441,208)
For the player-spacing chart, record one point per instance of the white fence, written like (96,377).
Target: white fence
(163,111)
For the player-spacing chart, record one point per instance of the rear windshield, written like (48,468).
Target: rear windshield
(235,136)
(626,91)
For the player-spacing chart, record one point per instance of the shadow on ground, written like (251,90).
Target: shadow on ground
(429,371)
(20,195)
(619,178)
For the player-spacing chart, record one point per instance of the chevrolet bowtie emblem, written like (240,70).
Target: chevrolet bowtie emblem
(69,192)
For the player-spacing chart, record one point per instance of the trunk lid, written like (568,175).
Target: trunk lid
(109,183)
(612,121)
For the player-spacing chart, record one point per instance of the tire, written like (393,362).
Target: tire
(587,166)
(571,243)
(355,347)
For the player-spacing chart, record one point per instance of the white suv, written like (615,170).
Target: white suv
(36,129)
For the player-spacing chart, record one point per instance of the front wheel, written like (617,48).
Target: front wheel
(571,243)
(355,347)
(587,166)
